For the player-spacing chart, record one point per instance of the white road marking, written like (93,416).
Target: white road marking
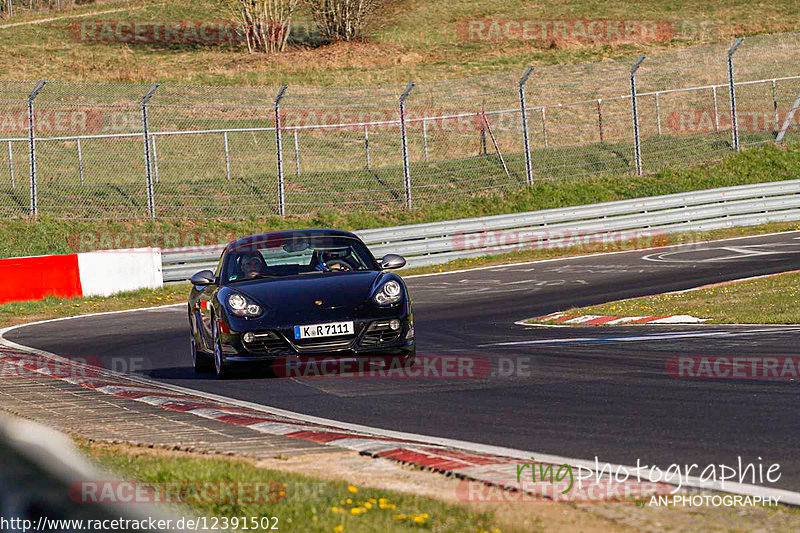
(645,338)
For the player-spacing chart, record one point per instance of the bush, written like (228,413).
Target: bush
(342,20)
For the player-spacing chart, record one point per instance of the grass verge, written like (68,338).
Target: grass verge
(300,503)
(768,300)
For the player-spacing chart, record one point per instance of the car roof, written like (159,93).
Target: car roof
(287,234)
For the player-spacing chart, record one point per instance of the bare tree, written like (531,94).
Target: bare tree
(342,20)
(267,23)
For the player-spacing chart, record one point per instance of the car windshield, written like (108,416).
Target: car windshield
(294,255)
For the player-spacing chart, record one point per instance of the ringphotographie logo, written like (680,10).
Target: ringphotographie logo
(565,30)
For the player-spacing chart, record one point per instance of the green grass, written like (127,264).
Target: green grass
(46,236)
(769,300)
(308,502)
(410,39)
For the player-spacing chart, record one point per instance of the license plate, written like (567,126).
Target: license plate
(331,329)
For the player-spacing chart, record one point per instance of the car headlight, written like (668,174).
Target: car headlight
(389,293)
(241,306)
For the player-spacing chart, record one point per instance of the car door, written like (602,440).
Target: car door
(204,299)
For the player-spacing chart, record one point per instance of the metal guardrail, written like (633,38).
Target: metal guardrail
(439,242)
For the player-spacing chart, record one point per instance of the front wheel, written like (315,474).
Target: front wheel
(199,359)
(220,368)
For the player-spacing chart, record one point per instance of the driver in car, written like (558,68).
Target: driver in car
(328,263)
(253,265)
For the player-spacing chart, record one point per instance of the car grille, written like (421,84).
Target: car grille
(379,332)
(316,345)
(270,343)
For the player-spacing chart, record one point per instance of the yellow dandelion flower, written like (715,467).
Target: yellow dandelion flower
(400,516)
(338,529)
(419,519)
(368,505)
(349,501)
(352,489)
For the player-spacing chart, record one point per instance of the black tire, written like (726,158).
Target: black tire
(221,370)
(200,360)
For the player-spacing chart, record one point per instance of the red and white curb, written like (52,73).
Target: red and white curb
(494,466)
(611,320)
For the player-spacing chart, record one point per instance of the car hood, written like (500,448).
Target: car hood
(301,294)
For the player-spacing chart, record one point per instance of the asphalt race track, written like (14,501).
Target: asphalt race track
(585,392)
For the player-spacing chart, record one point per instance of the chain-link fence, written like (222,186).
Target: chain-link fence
(169,151)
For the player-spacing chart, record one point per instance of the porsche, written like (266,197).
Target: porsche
(299,293)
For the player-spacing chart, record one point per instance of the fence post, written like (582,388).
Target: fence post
(544,125)
(32,146)
(227,157)
(296,154)
(716,109)
(151,204)
(525,138)
(155,159)
(635,112)
(732,86)
(366,146)
(600,119)
(11,164)
(10,8)
(281,189)
(658,115)
(406,173)
(80,161)
(775,104)
(788,120)
(425,139)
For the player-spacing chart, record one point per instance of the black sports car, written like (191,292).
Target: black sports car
(299,293)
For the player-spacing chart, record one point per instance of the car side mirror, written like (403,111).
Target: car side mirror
(204,277)
(392,261)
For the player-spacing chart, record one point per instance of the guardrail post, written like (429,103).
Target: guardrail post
(525,138)
(151,204)
(635,112)
(11,164)
(406,173)
(32,145)
(281,189)
(732,86)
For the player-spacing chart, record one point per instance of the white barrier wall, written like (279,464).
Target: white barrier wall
(111,271)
